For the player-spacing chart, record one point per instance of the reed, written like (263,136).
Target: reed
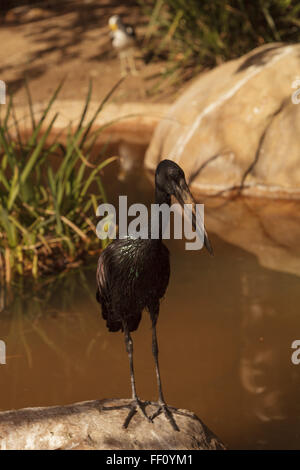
(45,213)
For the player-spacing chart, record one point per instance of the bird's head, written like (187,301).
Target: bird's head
(170,179)
(114,22)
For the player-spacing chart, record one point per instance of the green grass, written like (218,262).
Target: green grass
(197,34)
(45,213)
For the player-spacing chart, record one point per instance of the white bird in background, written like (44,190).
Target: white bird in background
(124,41)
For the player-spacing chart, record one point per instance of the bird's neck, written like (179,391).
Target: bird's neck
(161,197)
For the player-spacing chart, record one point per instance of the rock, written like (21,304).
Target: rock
(87,425)
(267,228)
(235,131)
(237,125)
(128,121)
(126,128)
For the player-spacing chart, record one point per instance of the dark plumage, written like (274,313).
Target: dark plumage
(127,282)
(133,275)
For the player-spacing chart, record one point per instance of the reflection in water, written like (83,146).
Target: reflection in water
(268,228)
(257,360)
(225,332)
(266,371)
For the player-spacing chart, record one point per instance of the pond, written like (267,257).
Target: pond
(225,332)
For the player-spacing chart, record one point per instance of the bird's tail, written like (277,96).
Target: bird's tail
(116,324)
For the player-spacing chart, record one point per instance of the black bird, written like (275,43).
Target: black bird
(133,275)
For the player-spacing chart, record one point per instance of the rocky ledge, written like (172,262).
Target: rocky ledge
(92,425)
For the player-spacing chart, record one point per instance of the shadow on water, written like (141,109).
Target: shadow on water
(225,332)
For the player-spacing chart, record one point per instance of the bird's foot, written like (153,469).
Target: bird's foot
(163,408)
(136,406)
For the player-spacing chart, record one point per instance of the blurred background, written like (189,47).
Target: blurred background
(48,40)
(77,131)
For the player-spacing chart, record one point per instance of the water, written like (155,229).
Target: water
(225,332)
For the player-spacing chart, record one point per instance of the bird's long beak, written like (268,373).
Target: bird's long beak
(113,27)
(184,196)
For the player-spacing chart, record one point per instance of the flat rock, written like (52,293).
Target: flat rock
(126,129)
(134,122)
(87,425)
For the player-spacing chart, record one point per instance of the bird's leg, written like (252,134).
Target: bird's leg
(155,355)
(127,63)
(131,63)
(123,64)
(162,406)
(136,403)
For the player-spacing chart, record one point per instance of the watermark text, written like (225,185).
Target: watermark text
(2,92)
(187,223)
(2,352)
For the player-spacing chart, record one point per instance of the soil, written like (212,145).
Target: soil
(69,40)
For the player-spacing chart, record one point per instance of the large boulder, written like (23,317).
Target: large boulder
(93,425)
(237,124)
(236,132)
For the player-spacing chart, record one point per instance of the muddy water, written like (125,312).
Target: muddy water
(225,332)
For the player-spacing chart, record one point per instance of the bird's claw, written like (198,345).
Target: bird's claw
(163,408)
(136,406)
